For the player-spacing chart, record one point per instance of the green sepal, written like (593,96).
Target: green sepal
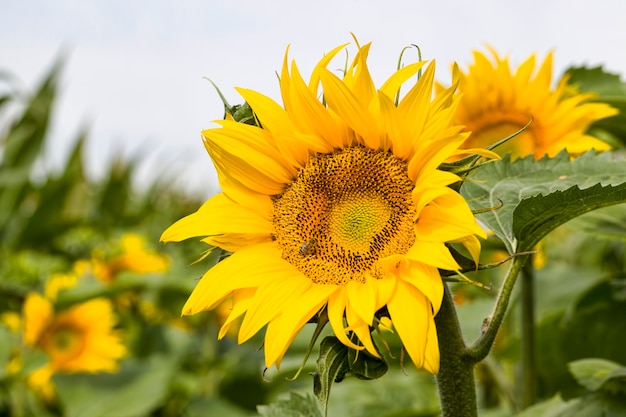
(322,319)
(332,366)
(364,365)
(241,113)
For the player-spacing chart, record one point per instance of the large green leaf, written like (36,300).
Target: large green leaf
(593,373)
(538,196)
(137,389)
(295,406)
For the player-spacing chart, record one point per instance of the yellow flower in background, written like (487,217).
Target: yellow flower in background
(60,281)
(79,339)
(497,102)
(132,256)
(334,204)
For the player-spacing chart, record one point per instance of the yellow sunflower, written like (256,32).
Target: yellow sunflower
(335,204)
(79,339)
(132,256)
(497,102)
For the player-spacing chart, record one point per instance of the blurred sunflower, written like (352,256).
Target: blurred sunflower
(132,255)
(79,339)
(497,102)
(334,204)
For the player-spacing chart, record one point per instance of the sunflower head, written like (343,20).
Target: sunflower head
(498,101)
(334,203)
(79,339)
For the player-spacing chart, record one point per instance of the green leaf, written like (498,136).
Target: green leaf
(332,366)
(592,373)
(538,196)
(137,389)
(537,216)
(596,80)
(295,406)
(543,408)
(22,145)
(609,223)
(365,366)
(25,138)
(610,89)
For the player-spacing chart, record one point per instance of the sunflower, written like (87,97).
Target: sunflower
(334,205)
(497,102)
(79,339)
(132,255)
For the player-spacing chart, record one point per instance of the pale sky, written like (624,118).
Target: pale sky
(135,70)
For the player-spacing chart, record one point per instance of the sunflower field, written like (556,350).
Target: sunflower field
(423,248)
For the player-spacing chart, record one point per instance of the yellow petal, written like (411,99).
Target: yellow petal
(297,312)
(321,67)
(435,254)
(397,136)
(38,313)
(416,101)
(238,152)
(362,300)
(343,102)
(426,279)
(431,356)
(410,312)
(472,244)
(270,299)
(393,83)
(365,337)
(241,302)
(248,268)
(358,78)
(313,115)
(336,309)
(219,215)
(272,116)
(384,289)
(234,242)
(446,219)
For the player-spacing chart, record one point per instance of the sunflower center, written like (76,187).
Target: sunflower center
(498,125)
(343,212)
(64,343)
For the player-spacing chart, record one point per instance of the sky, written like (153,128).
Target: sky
(135,71)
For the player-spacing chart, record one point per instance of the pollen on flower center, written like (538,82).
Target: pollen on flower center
(356,221)
(343,212)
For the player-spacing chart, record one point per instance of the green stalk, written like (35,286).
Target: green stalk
(529,368)
(480,349)
(455,380)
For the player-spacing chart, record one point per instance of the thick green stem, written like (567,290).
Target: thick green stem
(455,380)
(480,349)
(529,369)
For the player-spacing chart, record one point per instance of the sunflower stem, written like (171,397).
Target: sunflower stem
(480,349)
(455,380)
(529,370)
